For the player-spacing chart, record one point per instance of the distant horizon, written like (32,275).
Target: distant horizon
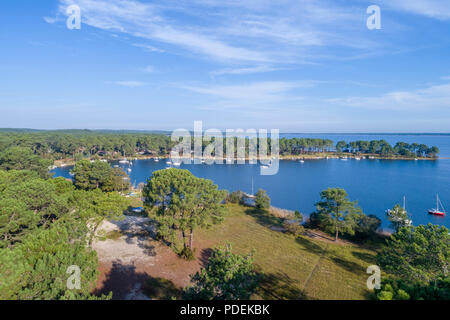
(166,131)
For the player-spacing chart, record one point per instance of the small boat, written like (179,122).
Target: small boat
(357,158)
(436,211)
(302,161)
(177,164)
(407,222)
(264,167)
(124,161)
(129,169)
(169,162)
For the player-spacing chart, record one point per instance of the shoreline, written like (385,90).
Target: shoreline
(320,156)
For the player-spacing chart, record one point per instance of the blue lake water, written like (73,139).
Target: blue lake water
(376,184)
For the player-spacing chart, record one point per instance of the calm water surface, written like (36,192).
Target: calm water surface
(376,184)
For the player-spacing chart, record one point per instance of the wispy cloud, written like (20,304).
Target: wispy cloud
(258,95)
(130,84)
(145,21)
(147,47)
(423,100)
(247,70)
(148,69)
(50,20)
(438,9)
(258,32)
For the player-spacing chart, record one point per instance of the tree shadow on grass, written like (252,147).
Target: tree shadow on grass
(121,280)
(309,245)
(366,257)
(279,286)
(348,265)
(264,218)
(161,289)
(204,256)
(127,284)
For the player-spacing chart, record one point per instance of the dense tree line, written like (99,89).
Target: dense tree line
(83,143)
(383,148)
(296,146)
(46,226)
(78,144)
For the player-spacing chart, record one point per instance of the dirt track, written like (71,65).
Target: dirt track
(128,263)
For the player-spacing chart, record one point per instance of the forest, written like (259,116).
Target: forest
(80,144)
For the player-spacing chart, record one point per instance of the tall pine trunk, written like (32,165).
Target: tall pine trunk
(191,239)
(184,238)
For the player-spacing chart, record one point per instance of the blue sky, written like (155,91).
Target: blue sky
(297,66)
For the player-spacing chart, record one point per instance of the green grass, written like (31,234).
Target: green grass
(301,268)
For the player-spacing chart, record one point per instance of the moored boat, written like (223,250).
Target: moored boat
(437,211)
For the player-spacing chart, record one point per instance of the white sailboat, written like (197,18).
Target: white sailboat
(407,222)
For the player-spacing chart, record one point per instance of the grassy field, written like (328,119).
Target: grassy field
(302,268)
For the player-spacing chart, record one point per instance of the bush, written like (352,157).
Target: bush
(235,197)
(385,295)
(397,289)
(294,229)
(402,295)
(188,254)
(262,200)
(298,216)
(227,276)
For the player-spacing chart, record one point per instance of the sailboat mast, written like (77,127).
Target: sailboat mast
(252,187)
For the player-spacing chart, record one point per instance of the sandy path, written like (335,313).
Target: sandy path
(128,263)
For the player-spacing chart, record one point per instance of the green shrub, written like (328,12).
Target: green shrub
(188,254)
(385,295)
(294,229)
(235,197)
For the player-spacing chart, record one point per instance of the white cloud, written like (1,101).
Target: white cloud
(147,47)
(130,84)
(438,9)
(143,20)
(50,20)
(260,32)
(422,100)
(248,70)
(148,69)
(258,95)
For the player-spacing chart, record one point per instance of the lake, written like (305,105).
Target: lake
(376,184)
